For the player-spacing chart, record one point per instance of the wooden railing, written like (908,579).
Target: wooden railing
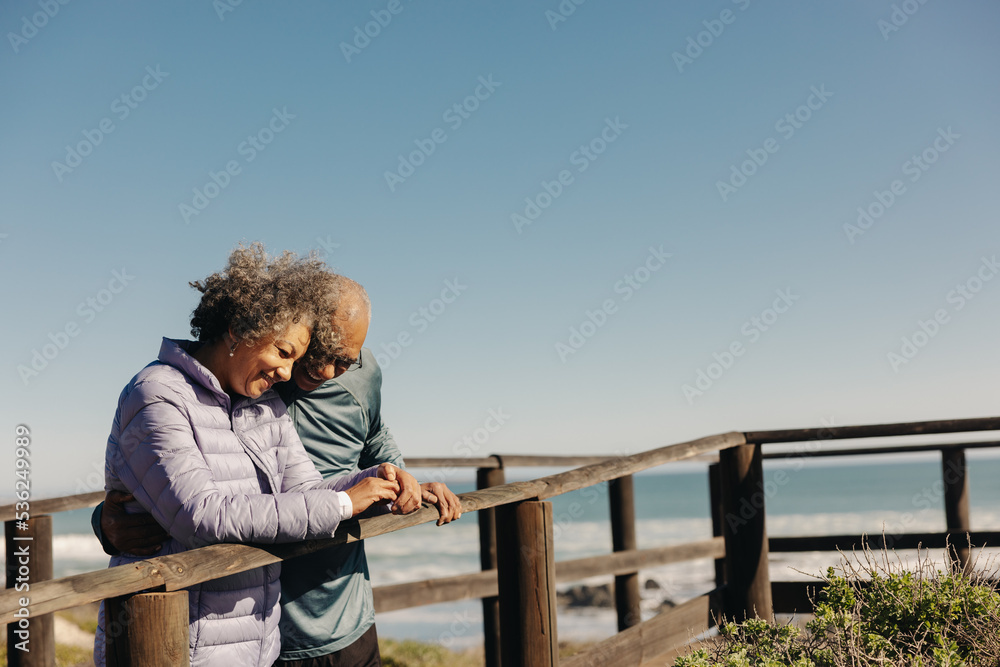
(517,584)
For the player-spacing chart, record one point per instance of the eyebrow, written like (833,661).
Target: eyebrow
(289,343)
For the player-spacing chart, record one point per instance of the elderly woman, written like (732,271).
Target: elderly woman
(201,443)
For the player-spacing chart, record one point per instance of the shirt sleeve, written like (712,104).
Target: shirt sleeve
(159,461)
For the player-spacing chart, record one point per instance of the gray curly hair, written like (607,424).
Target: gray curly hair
(257,297)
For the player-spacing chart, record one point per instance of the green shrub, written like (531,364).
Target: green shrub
(873,613)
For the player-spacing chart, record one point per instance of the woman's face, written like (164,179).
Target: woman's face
(252,370)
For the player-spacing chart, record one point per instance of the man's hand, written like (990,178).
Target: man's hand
(409,489)
(372,490)
(137,534)
(448,504)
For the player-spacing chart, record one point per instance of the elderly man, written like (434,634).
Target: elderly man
(327,610)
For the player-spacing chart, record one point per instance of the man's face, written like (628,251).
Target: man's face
(353,334)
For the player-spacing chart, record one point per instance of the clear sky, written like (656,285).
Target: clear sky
(644,216)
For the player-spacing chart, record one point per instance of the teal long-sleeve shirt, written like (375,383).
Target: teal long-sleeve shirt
(326,597)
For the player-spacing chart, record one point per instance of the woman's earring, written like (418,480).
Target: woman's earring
(233,348)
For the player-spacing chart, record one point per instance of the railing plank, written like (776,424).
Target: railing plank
(887,449)
(484,584)
(53,505)
(875,430)
(902,541)
(660,634)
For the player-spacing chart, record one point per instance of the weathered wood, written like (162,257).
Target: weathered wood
(526,579)
(621,496)
(748,587)
(53,505)
(954,473)
(28,562)
(484,584)
(564,482)
(888,449)
(81,589)
(670,656)
(148,629)
(640,559)
(185,569)
(878,541)
(715,510)
(875,430)
(451,462)
(542,461)
(434,591)
(485,478)
(650,639)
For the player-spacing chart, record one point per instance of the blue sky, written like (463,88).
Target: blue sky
(201,84)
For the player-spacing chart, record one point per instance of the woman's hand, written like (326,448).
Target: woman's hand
(409,489)
(371,490)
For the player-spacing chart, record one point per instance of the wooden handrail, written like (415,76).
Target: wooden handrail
(889,449)
(63,503)
(178,571)
(519,501)
(875,430)
(53,505)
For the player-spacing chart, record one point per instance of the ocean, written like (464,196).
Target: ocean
(810,498)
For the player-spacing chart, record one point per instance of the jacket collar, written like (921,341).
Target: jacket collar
(177,353)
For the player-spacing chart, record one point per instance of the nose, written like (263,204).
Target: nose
(328,372)
(285,370)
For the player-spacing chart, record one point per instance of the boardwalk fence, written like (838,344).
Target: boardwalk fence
(147,603)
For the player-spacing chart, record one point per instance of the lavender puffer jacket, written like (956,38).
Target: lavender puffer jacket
(213,472)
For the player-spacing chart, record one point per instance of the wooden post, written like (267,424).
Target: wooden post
(954,472)
(29,560)
(748,586)
(715,509)
(487,477)
(527,584)
(621,493)
(147,629)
